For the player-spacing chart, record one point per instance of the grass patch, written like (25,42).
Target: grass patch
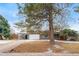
(35,46)
(71,47)
(42,46)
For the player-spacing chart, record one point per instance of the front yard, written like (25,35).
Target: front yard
(32,46)
(43,46)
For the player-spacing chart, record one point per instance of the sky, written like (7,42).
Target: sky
(10,12)
(73,19)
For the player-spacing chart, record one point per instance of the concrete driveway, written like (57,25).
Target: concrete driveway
(7,45)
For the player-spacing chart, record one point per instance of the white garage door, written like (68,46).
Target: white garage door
(34,36)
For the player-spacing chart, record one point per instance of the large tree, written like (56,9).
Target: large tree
(37,14)
(4,26)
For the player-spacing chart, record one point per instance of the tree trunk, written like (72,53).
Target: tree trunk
(51,30)
(51,33)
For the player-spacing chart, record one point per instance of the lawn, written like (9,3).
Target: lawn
(34,46)
(42,46)
(72,48)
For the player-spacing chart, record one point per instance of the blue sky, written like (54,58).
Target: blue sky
(10,12)
(74,18)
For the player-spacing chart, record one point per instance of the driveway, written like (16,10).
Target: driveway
(7,45)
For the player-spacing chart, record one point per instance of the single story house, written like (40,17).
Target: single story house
(24,35)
